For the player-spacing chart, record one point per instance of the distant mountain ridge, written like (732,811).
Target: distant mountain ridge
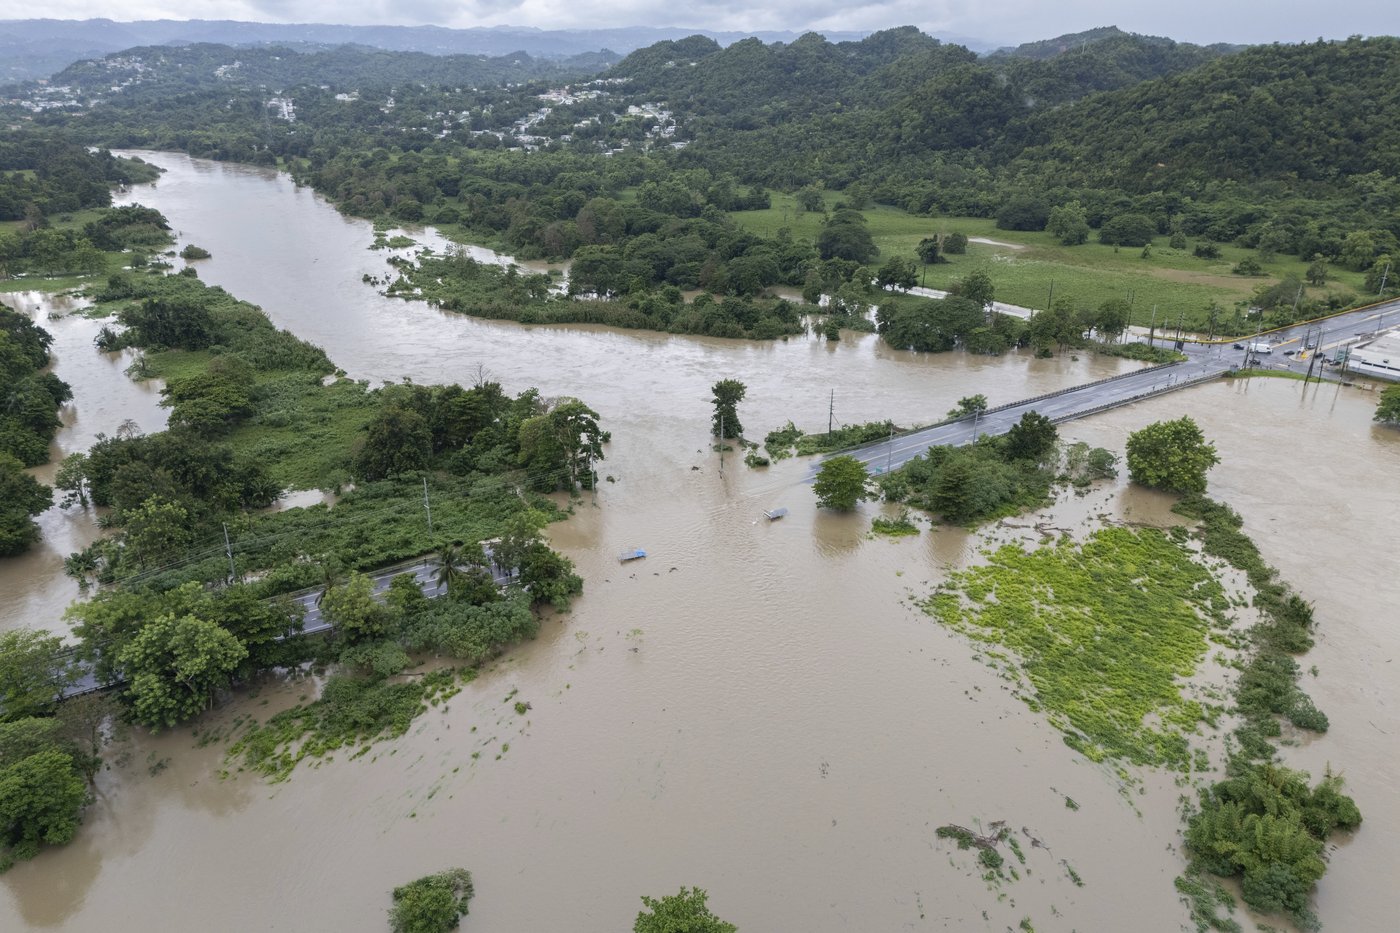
(1046,49)
(38,48)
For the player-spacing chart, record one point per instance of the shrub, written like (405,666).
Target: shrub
(433,903)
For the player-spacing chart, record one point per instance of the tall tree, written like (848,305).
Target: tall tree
(841,483)
(176,666)
(41,796)
(21,497)
(1032,438)
(33,673)
(356,614)
(728,393)
(1171,455)
(976,286)
(397,441)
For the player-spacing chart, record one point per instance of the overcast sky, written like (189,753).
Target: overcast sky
(995,21)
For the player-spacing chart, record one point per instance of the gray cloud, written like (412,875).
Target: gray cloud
(994,20)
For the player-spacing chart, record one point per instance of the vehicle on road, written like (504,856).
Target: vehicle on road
(1261,348)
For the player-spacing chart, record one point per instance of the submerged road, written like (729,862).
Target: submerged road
(1065,405)
(425,574)
(1204,361)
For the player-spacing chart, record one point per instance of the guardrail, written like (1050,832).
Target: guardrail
(1008,405)
(1150,393)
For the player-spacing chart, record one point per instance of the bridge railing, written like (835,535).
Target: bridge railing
(999,408)
(1163,389)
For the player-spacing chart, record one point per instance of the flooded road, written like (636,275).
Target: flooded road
(755,708)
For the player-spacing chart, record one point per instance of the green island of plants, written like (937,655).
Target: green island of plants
(1263,823)
(1104,631)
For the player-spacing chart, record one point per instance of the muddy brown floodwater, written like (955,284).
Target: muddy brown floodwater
(755,708)
(33,587)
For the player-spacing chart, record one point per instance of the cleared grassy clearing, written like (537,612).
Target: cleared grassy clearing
(1175,281)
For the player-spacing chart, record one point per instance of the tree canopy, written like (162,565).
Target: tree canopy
(841,483)
(433,903)
(683,912)
(728,393)
(1171,455)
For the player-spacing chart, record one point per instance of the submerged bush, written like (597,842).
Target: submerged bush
(433,903)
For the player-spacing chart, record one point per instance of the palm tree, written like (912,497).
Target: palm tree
(332,575)
(449,571)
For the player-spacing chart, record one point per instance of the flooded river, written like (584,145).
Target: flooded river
(33,587)
(755,708)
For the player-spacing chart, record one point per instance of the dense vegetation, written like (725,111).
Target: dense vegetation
(48,752)
(44,174)
(28,417)
(995,476)
(1263,822)
(686,911)
(433,903)
(1133,141)
(456,282)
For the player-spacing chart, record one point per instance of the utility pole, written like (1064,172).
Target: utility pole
(228,549)
(889,451)
(1385,276)
(427,506)
(1050,302)
(1180,319)
(1312,358)
(831,414)
(1152,327)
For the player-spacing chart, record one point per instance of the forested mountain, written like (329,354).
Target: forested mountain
(164,70)
(37,48)
(1071,67)
(1046,49)
(1323,113)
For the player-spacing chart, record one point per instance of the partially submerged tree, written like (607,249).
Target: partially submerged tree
(728,393)
(841,483)
(176,666)
(1388,411)
(1171,455)
(433,903)
(1032,438)
(33,673)
(684,912)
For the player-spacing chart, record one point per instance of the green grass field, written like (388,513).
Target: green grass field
(1026,265)
(303,432)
